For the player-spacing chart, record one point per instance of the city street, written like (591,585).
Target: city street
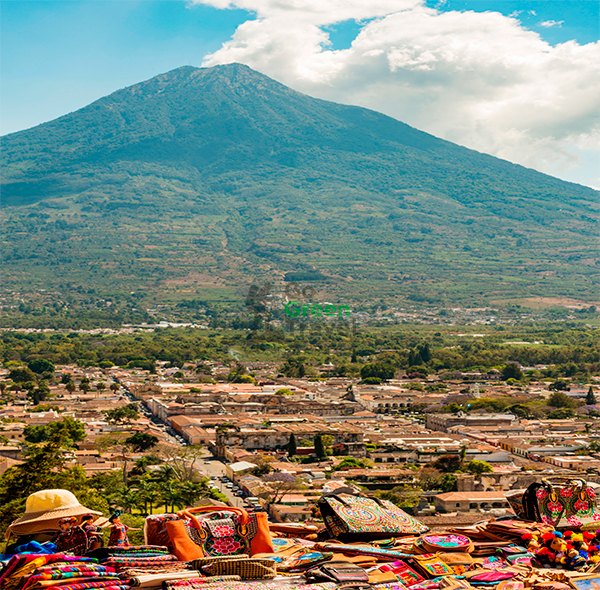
(212,467)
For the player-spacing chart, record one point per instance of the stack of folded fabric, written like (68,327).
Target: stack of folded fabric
(141,560)
(58,572)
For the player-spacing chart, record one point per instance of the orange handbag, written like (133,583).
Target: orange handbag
(222,531)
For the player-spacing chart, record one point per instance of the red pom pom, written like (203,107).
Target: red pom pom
(567,533)
(527,536)
(548,537)
(588,535)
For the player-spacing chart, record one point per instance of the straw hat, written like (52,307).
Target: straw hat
(44,509)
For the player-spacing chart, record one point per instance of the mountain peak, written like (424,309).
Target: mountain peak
(261,178)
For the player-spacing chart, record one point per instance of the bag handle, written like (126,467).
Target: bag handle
(189,513)
(568,481)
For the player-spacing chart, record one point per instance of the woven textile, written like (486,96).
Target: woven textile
(198,563)
(86,585)
(178,566)
(106,585)
(247,569)
(362,550)
(212,584)
(197,583)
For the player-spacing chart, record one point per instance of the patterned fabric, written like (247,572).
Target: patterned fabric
(21,567)
(199,563)
(106,585)
(211,584)
(73,539)
(298,561)
(449,542)
(564,502)
(346,514)
(247,569)
(112,585)
(197,583)
(362,550)
(431,565)
(118,535)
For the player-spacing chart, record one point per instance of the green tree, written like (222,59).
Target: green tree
(519,410)
(22,375)
(293,367)
(123,414)
(70,387)
(292,447)
(512,371)
(319,447)
(447,463)
(115,386)
(328,441)
(462,454)
(40,366)
(353,463)
(590,398)
(562,414)
(284,391)
(558,399)
(559,385)
(171,495)
(449,483)
(141,442)
(129,498)
(478,467)
(68,430)
(382,371)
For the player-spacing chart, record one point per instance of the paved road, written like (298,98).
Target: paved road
(212,467)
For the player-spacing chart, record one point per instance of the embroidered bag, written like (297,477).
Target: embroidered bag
(450,542)
(516,555)
(459,562)
(357,518)
(488,578)
(431,565)
(406,574)
(566,503)
(222,531)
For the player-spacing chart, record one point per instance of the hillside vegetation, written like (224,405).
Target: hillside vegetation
(200,181)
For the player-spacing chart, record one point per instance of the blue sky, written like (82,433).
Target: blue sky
(58,56)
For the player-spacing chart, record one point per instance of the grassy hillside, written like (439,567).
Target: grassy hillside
(198,182)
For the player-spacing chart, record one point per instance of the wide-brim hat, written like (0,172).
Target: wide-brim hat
(44,509)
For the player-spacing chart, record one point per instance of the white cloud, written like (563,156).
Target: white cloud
(552,23)
(479,79)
